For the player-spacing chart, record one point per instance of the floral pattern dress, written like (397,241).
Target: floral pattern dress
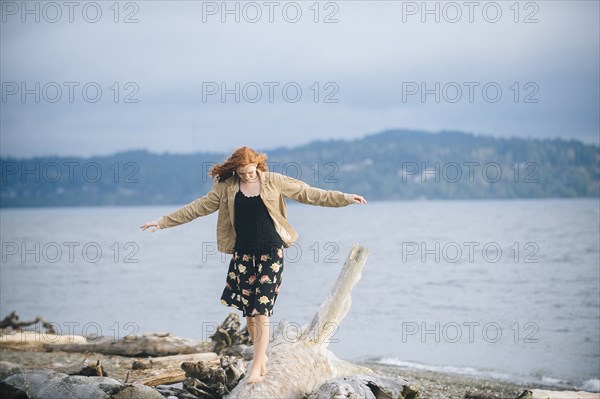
(253,281)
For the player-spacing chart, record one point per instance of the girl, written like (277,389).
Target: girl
(252,226)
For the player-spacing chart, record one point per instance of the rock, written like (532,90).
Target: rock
(9,392)
(48,384)
(172,392)
(8,368)
(137,391)
(543,394)
(364,386)
(44,384)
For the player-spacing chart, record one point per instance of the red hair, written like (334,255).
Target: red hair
(240,157)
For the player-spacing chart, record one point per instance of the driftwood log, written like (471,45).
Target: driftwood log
(230,338)
(213,382)
(34,340)
(299,365)
(12,321)
(172,362)
(154,344)
(166,362)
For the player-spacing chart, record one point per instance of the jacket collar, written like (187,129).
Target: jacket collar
(233,181)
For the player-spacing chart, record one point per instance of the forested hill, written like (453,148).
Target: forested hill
(392,165)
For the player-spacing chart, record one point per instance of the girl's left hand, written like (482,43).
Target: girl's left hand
(359,200)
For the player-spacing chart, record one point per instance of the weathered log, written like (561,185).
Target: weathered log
(299,365)
(229,339)
(213,382)
(12,321)
(34,340)
(155,344)
(165,362)
(205,367)
(172,377)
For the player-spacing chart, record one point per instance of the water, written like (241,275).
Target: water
(524,309)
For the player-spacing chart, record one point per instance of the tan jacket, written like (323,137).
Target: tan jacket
(274,188)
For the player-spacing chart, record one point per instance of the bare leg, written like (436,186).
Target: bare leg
(252,330)
(251,327)
(261,341)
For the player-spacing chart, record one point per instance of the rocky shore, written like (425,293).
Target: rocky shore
(430,385)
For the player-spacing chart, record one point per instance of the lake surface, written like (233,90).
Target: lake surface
(502,288)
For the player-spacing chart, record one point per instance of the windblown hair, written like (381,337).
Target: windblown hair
(240,157)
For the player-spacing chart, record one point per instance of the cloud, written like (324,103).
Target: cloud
(366,62)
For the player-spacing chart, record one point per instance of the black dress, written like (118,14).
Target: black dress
(256,267)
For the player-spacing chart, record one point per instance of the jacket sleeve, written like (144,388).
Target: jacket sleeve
(302,192)
(200,207)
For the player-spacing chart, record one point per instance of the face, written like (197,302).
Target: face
(247,173)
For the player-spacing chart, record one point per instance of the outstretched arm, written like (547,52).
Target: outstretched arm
(200,207)
(302,192)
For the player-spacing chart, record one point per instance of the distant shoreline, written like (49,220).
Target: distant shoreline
(293,203)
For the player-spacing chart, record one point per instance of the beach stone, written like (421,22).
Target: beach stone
(9,392)
(137,391)
(364,386)
(171,392)
(48,384)
(43,384)
(8,368)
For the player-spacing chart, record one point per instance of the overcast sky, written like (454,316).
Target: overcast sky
(527,69)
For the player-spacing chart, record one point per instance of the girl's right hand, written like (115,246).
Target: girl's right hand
(151,224)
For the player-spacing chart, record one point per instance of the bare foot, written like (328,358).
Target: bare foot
(263,367)
(254,377)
